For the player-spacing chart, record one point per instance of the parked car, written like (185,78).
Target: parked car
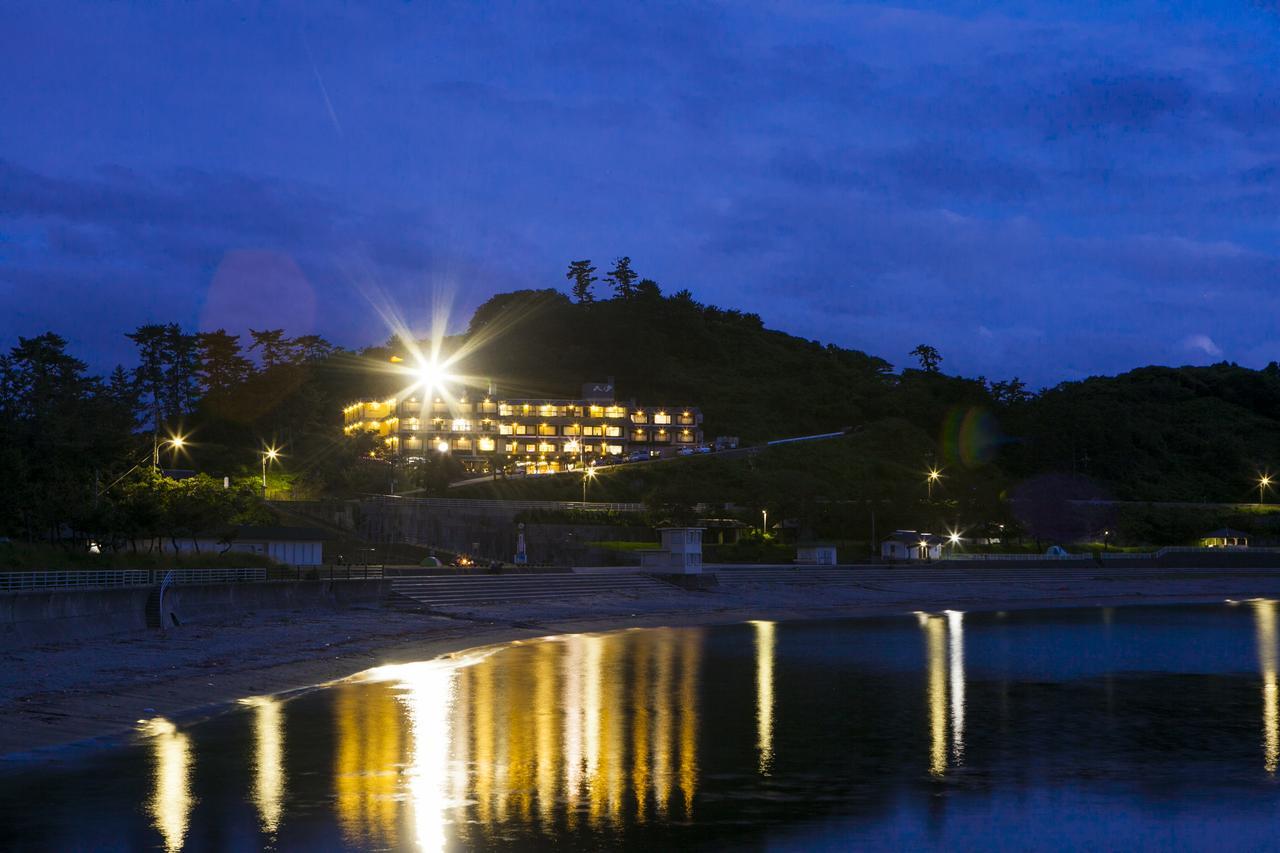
(639,456)
(704,449)
(685,451)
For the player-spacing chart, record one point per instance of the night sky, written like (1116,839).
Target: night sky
(1051,190)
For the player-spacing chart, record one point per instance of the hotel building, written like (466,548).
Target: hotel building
(490,433)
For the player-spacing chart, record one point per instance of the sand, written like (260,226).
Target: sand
(93,692)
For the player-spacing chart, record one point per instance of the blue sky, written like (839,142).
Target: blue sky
(1051,190)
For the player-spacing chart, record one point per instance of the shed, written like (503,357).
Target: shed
(911,545)
(816,555)
(1225,537)
(681,552)
(722,531)
(296,546)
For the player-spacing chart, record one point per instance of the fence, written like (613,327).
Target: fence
(82,579)
(75,578)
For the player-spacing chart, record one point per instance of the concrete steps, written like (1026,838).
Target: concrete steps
(461,590)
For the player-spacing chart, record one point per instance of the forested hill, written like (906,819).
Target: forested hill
(1162,434)
(1155,433)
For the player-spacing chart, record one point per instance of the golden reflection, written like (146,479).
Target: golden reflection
(640,688)
(427,690)
(171,800)
(1264,614)
(544,734)
(690,663)
(663,719)
(544,709)
(764,694)
(367,763)
(935,630)
(955,660)
(268,761)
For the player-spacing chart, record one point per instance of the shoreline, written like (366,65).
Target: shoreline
(90,700)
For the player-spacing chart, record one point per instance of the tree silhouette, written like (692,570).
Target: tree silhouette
(929,358)
(582,274)
(623,278)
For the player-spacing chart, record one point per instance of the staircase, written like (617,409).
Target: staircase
(460,590)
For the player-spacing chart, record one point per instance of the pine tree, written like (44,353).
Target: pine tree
(582,274)
(623,278)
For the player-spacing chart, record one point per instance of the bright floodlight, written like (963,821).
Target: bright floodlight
(590,472)
(954,538)
(1264,480)
(272,453)
(443,447)
(934,474)
(177,441)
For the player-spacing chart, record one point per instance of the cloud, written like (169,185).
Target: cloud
(1202,343)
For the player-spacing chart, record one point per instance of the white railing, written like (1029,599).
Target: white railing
(79,579)
(1022,557)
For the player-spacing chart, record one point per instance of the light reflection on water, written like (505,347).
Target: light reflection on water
(171,800)
(653,738)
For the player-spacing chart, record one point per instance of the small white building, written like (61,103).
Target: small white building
(294,546)
(816,555)
(907,545)
(681,552)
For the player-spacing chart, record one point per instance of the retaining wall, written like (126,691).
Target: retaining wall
(46,616)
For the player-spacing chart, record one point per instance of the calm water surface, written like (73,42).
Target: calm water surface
(1110,728)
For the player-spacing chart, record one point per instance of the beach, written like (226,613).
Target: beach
(94,692)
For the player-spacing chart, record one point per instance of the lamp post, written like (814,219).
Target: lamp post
(934,476)
(764,523)
(1264,483)
(587,474)
(269,454)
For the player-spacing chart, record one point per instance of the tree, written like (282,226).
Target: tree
(167,370)
(928,357)
(272,346)
(623,278)
(222,367)
(582,274)
(648,289)
(1010,393)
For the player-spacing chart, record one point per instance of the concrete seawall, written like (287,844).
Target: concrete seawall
(46,616)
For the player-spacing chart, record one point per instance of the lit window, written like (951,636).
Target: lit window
(461,425)
(639,418)
(613,449)
(662,418)
(593,430)
(595,411)
(487,445)
(506,410)
(547,410)
(506,429)
(613,431)
(615,412)
(546,429)
(523,429)
(573,429)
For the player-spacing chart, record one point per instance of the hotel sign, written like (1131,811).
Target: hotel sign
(598,391)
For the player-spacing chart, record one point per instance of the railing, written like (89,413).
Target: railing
(107,578)
(77,578)
(1022,557)
(463,503)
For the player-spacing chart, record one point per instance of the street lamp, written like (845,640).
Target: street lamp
(934,476)
(587,474)
(269,454)
(764,523)
(1264,483)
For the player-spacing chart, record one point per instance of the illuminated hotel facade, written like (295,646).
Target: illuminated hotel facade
(489,433)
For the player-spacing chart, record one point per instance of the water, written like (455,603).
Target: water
(1131,727)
